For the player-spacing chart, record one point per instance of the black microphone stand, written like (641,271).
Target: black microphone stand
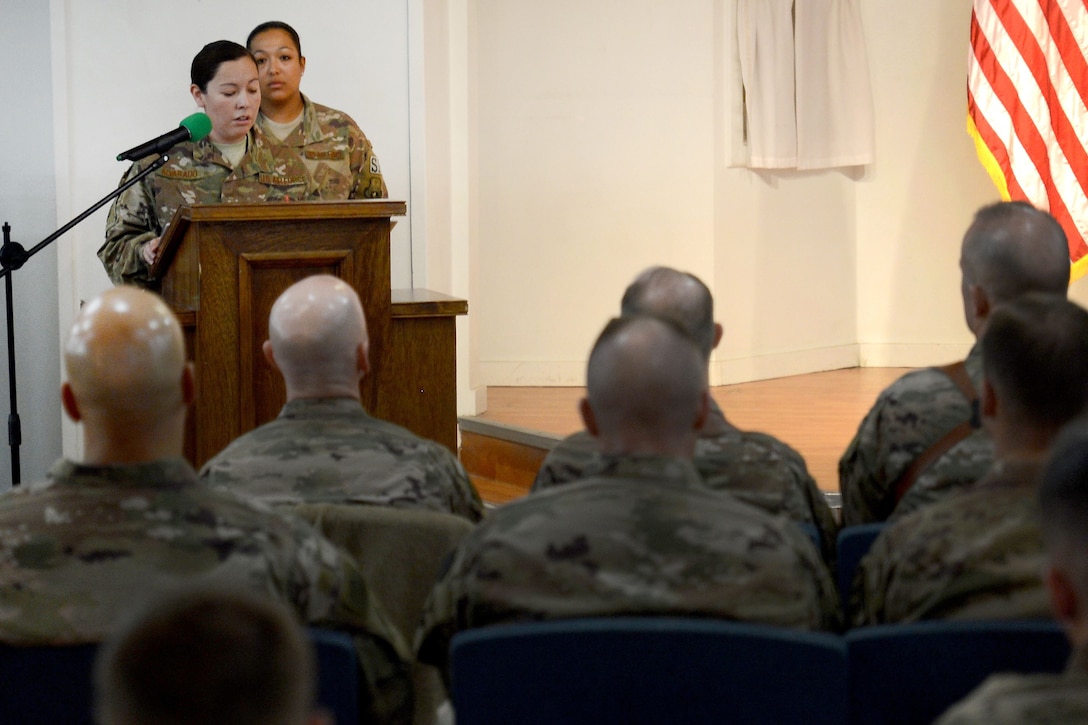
(12,257)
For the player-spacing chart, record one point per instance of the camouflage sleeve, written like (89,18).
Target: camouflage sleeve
(822,516)
(367,181)
(465,499)
(827,612)
(439,622)
(550,473)
(908,417)
(566,462)
(129,226)
(335,595)
(961,466)
(866,496)
(867,591)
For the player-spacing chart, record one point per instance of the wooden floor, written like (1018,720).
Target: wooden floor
(817,414)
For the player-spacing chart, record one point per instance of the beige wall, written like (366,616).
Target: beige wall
(599,143)
(915,202)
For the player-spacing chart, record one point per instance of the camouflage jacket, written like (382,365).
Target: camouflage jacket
(1037,699)
(908,417)
(640,535)
(963,464)
(331,152)
(976,555)
(197,173)
(80,550)
(755,467)
(330,450)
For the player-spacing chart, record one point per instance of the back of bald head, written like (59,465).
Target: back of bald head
(1013,248)
(646,376)
(316,328)
(125,356)
(677,296)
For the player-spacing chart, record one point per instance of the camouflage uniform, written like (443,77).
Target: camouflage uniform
(334,155)
(197,173)
(755,467)
(81,549)
(976,555)
(910,415)
(640,535)
(963,464)
(330,450)
(1017,699)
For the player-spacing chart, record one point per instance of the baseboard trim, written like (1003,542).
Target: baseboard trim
(780,365)
(906,355)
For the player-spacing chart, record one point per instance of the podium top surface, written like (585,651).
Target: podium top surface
(273,210)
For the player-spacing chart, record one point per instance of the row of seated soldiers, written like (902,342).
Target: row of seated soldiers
(660,507)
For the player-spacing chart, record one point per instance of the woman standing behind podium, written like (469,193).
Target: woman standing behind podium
(321,143)
(233,164)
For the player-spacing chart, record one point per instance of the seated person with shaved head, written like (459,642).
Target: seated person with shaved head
(133,521)
(643,534)
(323,447)
(977,553)
(755,467)
(1038,699)
(920,441)
(208,657)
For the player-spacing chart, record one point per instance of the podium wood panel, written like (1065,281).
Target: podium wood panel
(420,393)
(226,264)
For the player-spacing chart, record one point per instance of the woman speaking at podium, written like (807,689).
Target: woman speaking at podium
(234,163)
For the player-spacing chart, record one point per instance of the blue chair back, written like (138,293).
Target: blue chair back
(47,685)
(646,670)
(911,673)
(854,543)
(337,674)
(53,685)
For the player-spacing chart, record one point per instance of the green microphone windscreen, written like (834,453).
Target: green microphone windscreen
(199,125)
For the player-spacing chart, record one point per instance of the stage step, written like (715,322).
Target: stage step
(502,459)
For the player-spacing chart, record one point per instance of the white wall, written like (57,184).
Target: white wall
(595,128)
(28,203)
(603,149)
(916,201)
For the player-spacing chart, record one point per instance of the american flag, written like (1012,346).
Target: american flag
(1027,83)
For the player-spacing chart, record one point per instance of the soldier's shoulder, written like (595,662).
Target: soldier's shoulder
(1024,699)
(333,118)
(920,382)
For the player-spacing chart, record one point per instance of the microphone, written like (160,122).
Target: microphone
(191,128)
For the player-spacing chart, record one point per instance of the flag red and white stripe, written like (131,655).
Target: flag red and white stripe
(1027,87)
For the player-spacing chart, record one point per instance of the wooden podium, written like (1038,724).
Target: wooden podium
(223,265)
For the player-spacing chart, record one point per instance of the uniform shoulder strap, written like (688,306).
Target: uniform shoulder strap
(957,373)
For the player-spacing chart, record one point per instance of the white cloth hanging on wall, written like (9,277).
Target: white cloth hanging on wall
(834,97)
(766,47)
(805,73)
